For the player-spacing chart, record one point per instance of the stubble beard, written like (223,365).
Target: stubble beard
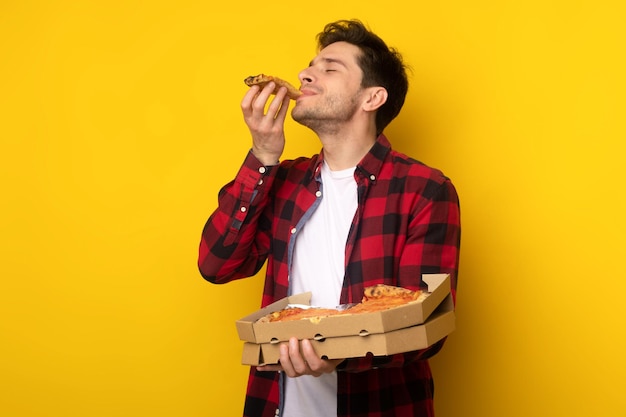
(328,117)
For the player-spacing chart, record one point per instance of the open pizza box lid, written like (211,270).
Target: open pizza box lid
(440,324)
(408,315)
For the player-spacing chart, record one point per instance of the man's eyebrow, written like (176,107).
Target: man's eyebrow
(329,61)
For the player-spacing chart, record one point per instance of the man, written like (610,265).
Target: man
(355,215)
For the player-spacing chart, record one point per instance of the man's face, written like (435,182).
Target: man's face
(330,86)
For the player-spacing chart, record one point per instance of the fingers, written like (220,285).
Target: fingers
(255,101)
(314,363)
(291,359)
(284,105)
(252,95)
(279,105)
(265,120)
(299,358)
(268,368)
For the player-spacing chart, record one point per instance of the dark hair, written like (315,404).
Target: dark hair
(381,65)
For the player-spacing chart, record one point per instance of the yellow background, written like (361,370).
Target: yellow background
(120,121)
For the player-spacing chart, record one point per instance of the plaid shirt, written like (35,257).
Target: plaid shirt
(407,224)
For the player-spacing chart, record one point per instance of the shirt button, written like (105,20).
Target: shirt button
(243,209)
(262,170)
(277,412)
(260,182)
(373,177)
(318,193)
(293,230)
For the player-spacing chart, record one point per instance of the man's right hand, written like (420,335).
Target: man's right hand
(266,127)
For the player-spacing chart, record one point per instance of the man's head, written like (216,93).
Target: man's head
(381,65)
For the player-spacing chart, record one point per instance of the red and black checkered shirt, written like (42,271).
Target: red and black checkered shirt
(407,224)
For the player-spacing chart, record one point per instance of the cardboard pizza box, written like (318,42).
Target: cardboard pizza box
(440,324)
(408,315)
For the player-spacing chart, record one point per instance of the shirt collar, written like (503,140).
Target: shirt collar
(371,163)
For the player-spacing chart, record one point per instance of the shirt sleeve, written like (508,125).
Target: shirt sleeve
(432,247)
(235,240)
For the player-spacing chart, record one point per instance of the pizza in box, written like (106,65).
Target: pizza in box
(376,298)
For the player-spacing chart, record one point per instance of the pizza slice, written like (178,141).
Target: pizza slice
(383,291)
(262,80)
(383,297)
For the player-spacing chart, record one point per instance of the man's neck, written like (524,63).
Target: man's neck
(343,150)
(345,155)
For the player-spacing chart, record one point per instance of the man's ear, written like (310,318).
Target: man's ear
(374,98)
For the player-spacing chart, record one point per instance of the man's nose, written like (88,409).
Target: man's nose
(305,76)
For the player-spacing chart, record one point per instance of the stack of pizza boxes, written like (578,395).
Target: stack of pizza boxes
(405,328)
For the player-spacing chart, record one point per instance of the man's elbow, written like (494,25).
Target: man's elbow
(208,273)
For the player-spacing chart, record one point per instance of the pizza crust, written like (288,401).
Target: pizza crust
(262,80)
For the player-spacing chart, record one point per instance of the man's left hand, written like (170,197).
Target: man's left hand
(298,358)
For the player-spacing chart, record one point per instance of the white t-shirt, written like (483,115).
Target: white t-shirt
(319,267)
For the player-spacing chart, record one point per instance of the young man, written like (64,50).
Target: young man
(355,215)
